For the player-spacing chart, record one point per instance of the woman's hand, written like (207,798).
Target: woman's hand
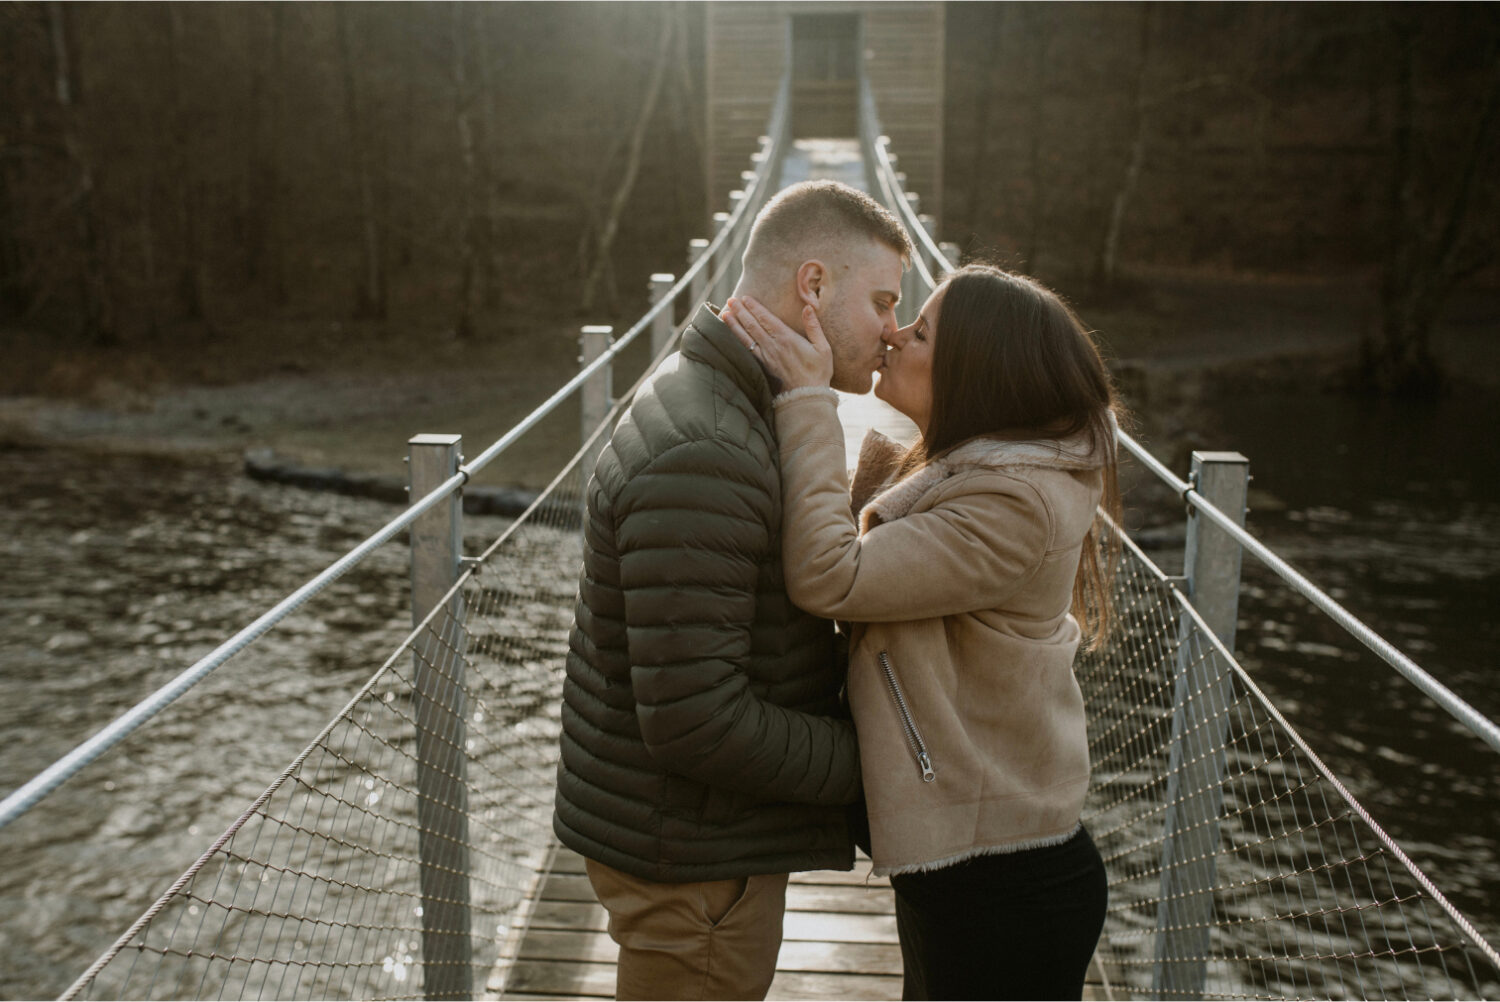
(792,358)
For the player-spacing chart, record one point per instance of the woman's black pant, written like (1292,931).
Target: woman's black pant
(1017,925)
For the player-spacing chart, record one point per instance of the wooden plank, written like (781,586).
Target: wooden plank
(839,927)
(796,955)
(569,915)
(848,949)
(568,887)
(861,900)
(840,958)
(571,980)
(571,863)
(799,985)
(556,944)
(832,927)
(874,899)
(857,877)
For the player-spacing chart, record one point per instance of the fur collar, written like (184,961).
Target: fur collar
(879,497)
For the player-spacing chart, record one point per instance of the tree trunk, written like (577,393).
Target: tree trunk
(687,117)
(980,175)
(254,222)
(1106,268)
(1422,263)
(12,270)
(370,288)
(192,275)
(611,222)
(489,258)
(469,222)
(96,286)
(264,243)
(402,213)
(1040,29)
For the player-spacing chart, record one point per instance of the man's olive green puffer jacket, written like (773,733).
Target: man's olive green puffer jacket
(703,733)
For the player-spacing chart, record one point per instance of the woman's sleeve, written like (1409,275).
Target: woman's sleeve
(972,551)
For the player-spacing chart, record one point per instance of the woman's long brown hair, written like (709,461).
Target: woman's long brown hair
(1012,360)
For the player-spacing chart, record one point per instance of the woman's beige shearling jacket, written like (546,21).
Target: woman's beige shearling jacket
(958,580)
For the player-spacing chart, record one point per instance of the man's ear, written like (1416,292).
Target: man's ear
(812,279)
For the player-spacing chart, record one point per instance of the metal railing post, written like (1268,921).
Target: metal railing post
(951,251)
(596,395)
(929,223)
(721,289)
(439,708)
(661,327)
(1200,726)
(699,284)
(912,293)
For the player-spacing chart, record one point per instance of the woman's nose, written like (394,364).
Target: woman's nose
(898,338)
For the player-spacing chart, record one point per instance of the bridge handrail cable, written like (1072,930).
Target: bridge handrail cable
(1481,726)
(25,797)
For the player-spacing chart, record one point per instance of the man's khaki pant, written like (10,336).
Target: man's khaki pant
(713,939)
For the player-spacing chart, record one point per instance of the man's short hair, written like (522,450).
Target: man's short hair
(815,219)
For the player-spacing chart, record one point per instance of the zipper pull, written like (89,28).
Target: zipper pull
(926,763)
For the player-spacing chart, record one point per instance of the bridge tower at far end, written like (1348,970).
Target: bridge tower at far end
(898,46)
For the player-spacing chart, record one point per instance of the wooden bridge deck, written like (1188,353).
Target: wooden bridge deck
(839,940)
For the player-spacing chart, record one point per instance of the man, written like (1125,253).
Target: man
(705,754)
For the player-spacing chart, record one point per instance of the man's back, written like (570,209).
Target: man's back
(702,732)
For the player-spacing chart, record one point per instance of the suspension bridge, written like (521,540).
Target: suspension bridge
(407,851)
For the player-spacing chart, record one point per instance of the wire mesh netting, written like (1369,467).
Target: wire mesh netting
(447,754)
(1240,867)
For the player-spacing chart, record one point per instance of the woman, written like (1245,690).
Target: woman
(966,568)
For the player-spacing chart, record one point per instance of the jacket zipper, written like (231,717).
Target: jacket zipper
(913,736)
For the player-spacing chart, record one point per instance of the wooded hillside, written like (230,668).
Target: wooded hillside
(459,167)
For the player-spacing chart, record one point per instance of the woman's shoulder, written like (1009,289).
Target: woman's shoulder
(1062,500)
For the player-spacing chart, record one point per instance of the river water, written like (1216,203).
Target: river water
(122,570)
(1395,511)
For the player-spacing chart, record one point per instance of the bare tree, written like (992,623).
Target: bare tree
(981,176)
(1040,29)
(611,222)
(370,289)
(472,225)
(1430,245)
(96,284)
(265,256)
(14,104)
(686,115)
(1107,263)
(489,258)
(192,274)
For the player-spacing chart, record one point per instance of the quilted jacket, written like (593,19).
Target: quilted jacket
(703,732)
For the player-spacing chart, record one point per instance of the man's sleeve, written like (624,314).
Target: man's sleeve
(693,529)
